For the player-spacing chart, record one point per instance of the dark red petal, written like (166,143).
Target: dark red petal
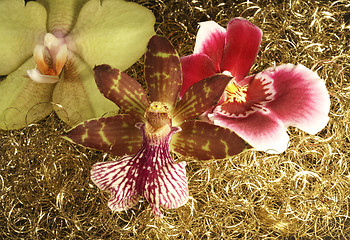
(206,141)
(241,48)
(200,97)
(162,71)
(116,135)
(195,67)
(122,89)
(210,40)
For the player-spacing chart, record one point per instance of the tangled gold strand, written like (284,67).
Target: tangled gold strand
(45,186)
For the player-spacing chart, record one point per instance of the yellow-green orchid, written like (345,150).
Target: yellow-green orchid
(49,47)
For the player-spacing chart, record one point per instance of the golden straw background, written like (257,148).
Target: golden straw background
(45,186)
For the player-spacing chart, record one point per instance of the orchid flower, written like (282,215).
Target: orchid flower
(259,107)
(49,48)
(162,124)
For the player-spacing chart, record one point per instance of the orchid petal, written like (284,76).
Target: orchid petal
(111,32)
(262,131)
(200,97)
(76,95)
(20,28)
(162,71)
(301,100)
(206,141)
(22,101)
(210,40)
(195,67)
(122,89)
(116,135)
(62,15)
(241,47)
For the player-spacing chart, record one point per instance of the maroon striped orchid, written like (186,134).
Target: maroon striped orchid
(259,107)
(163,123)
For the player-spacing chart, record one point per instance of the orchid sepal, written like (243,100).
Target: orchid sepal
(162,71)
(206,141)
(200,97)
(123,90)
(116,135)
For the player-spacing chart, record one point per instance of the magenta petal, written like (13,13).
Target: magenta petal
(262,131)
(195,67)
(241,47)
(210,40)
(151,173)
(301,98)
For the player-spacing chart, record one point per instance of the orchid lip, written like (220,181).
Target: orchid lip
(50,59)
(234,92)
(241,101)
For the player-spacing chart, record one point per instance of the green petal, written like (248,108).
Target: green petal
(163,72)
(200,97)
(206,141)
(114,33)
(76,95)
(116,135)
(22,101)
(62,15)
(122,89)
(20,29)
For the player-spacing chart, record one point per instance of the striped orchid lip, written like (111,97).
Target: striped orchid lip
(163,124)
(151,172)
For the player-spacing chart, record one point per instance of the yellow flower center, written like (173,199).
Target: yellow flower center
(235,93)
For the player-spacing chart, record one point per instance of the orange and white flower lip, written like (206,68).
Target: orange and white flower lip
(50,59)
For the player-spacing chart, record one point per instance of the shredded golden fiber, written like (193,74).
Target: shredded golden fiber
(304,193)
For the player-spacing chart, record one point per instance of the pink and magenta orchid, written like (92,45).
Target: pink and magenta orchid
(49,47)
(163,123)
(259,107)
